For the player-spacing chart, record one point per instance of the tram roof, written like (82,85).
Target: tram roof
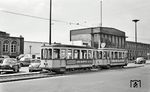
(67,46)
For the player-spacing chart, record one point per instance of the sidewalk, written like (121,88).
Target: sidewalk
(133,65)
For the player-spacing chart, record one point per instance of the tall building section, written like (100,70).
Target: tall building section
(111,37)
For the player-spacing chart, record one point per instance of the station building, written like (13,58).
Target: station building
(97,36)
(11,46)
(111,38)
(142,50)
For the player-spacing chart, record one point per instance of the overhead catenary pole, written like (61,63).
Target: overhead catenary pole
(50,20)
(101,10)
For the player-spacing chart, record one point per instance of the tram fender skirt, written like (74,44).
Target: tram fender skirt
(60,70)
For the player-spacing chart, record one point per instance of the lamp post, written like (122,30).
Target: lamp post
(50,19)
(135,20)
(30,48)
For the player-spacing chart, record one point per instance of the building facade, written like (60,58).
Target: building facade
(111,37)
(142,50)
(11,46)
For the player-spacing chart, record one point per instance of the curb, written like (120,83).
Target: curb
(134,66)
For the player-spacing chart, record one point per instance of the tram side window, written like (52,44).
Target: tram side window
(56,53)
(84,54)
(42,53)
(49,53)
(63,54)
(76,54)
(99,54)
(116,55)
(120,55)
(94,55)
(69,54)
(46,54)
(105,55)
(89,54)
(108,55)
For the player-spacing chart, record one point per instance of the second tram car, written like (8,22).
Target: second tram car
(59,58)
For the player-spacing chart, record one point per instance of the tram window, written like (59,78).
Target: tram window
(84,54)
(120,55)
(112,55)
(116,55)
(41,53)
(63,54)
(76,54)
(105,55)
(94,55)
(99,54)
(49,53)
(89,54)
(123,55)
(108,55)
(56,53)
(69,54)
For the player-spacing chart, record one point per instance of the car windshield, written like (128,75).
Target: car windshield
(6,61)
(35,61)
(24,59)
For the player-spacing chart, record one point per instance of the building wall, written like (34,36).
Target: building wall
(11,46)
(31,47)
(113,38)
(142,50)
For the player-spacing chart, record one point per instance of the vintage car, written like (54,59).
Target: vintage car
(8,64)
(140,60)
(34,65)
(25,61)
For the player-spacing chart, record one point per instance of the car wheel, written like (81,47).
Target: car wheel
(16,69)
(30,70)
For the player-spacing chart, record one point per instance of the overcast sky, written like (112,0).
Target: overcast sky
(116,13)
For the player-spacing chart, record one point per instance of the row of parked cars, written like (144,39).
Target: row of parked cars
(14,64)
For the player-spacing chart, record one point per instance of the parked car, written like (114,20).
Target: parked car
(9,64)
(3,56)
(25,61)
(140,60)
(34,66)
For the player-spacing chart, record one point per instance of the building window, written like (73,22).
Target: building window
(14,47)
(6,46)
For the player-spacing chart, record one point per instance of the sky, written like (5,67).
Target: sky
(67,14)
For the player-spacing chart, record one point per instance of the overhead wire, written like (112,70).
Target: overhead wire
(37,17)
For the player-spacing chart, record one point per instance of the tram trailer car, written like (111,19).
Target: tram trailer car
(59,58)
(109,57)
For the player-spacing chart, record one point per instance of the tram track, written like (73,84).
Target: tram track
(37,75)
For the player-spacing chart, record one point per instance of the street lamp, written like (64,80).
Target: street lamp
(50,20)
(135,20)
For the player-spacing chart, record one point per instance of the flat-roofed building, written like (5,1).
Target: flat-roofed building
(95,36)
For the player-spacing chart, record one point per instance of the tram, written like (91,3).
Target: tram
(60,58)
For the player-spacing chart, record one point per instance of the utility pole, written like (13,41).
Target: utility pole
(101,10)
(135,20)
(50,20)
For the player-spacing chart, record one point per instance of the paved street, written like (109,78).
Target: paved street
(116,80)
